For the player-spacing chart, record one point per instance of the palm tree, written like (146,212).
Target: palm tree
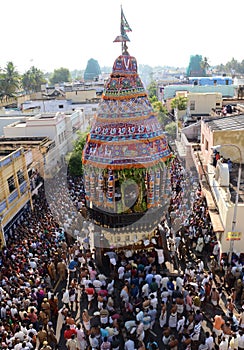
(205,65)
(33,79)
(9,81)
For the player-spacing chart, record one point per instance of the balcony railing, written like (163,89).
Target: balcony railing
(13,196)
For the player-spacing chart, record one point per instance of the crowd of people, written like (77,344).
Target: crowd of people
(53,294)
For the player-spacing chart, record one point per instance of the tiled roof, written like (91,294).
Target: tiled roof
(226,123)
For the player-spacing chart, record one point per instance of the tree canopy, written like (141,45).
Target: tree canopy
(9,81)
(179,102)
(92,70)
(232,67)
(60,75)
(161,110)
(152,89)
(33,79)
(75,160)
(171,129)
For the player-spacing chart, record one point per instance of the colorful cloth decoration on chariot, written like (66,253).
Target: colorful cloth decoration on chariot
(126,132)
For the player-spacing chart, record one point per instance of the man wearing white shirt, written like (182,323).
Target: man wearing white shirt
(158,279)
(179,283)
(139,315)
(209,341)
(224,344)
(65,297)
(164,282)
(121,271)
(240,338)
(145,290)
(129,345)
(205,279)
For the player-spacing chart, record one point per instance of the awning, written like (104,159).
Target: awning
(209,198)
(214,216)
(216,221)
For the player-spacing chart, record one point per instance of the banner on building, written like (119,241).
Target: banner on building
(233,236)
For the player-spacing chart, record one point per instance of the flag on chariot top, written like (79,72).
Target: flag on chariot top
(124,28)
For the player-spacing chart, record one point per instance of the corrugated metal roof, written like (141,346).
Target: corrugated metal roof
(226,123)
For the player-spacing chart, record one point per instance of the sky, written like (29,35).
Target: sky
(50,34)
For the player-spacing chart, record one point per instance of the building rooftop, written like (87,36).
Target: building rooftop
(225,90)
(235,122)
(10,144)
(21,140)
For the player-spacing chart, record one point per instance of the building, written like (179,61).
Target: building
(34,107)
(212,81)
(200,104)
(61,128)
(225,90)
(37,148)
(15,194)
(22,162)
(219,185)
(9,119)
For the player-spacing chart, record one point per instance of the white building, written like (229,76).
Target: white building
(63,106)
(60,127)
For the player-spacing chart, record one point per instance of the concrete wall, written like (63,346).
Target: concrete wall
(238,245)
(206,143)
(230,137)
(81,96)
(4,121)
(211,138)
(204,102)
(226,211)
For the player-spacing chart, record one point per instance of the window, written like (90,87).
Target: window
(11,184)
(192,105)
(20,176)
(60,106)
(227,82)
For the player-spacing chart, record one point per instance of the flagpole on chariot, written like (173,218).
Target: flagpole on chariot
(123,37)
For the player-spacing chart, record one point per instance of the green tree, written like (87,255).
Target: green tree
(60,75)
(233,66)
(92,70)
(75,164)
(152,89)
(171,129)
(161,110)
(179,103)
(205,66)
(80,141)
(33,79)
(9,81)
(75,158)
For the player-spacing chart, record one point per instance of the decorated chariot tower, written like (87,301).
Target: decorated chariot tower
(126,156)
